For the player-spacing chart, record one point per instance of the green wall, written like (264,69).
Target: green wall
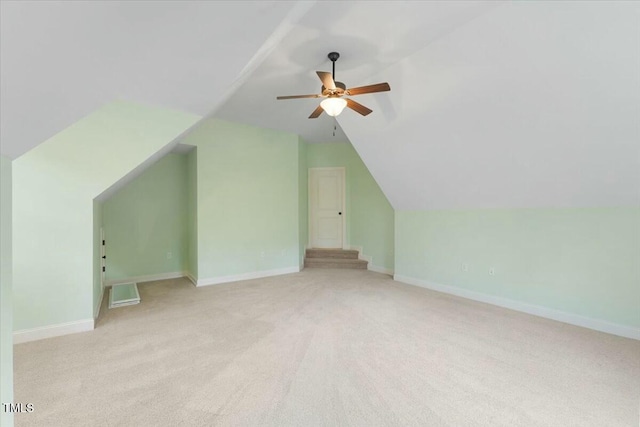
(6,297)
(237,204)
(98,286)
(370,217)
(247,203)
(578,261)
(303,201)
(145,222)
(192,213)
(54,185)
(242,195)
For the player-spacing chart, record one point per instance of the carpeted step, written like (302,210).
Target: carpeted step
(332,253)
(335,263)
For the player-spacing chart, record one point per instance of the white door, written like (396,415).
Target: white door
(326,207)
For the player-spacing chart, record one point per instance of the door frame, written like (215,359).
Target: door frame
(103,258)
(343,173)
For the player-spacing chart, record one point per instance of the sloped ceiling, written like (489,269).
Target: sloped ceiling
(370,36)
(60,61)
(493,104)
(524,104)
(534,104)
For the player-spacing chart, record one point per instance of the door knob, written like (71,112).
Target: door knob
(339,213)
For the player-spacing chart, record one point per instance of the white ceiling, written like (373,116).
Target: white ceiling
(493,104)
(59,61)
(534,104)
(370,36)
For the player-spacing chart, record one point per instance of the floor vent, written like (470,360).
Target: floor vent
(124,294)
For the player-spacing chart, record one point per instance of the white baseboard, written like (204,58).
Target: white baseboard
(147,278)
(382,270)
(26,335)
(96,310)
(361,254)
(369,259)
(536,310)
(191,277)
(247,276)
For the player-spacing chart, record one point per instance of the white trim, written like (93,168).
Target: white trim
(343,169)
(147,278)
(247,276)
(103,257)
(378,269)
(536,310)
(304,255)
(345,243)
(34,334)
(96,310)
(191,277)
(369,259)
(360,254)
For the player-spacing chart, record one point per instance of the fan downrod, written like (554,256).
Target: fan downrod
(338,90)
(333,56)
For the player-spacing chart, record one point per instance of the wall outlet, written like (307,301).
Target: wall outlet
(492,271)
(465,267)
(169,255)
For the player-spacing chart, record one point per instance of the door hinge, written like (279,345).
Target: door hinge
(103,268)
(103,242)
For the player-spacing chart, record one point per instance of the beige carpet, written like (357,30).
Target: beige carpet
(325,348)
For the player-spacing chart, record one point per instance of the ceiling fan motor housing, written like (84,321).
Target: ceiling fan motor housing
(334,104)
(339,91)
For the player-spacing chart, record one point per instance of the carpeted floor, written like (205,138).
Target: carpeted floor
(325,347)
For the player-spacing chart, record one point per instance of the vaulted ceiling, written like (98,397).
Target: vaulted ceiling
(61,60)
(493,104)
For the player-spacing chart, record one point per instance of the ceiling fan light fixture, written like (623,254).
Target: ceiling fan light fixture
(333,106)
(333,92)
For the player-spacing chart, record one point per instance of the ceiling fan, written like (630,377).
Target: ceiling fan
(334,92)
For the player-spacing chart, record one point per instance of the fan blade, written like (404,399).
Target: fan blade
(380,87)
(327,80)
(358,107)
(299,96)
(316,113)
